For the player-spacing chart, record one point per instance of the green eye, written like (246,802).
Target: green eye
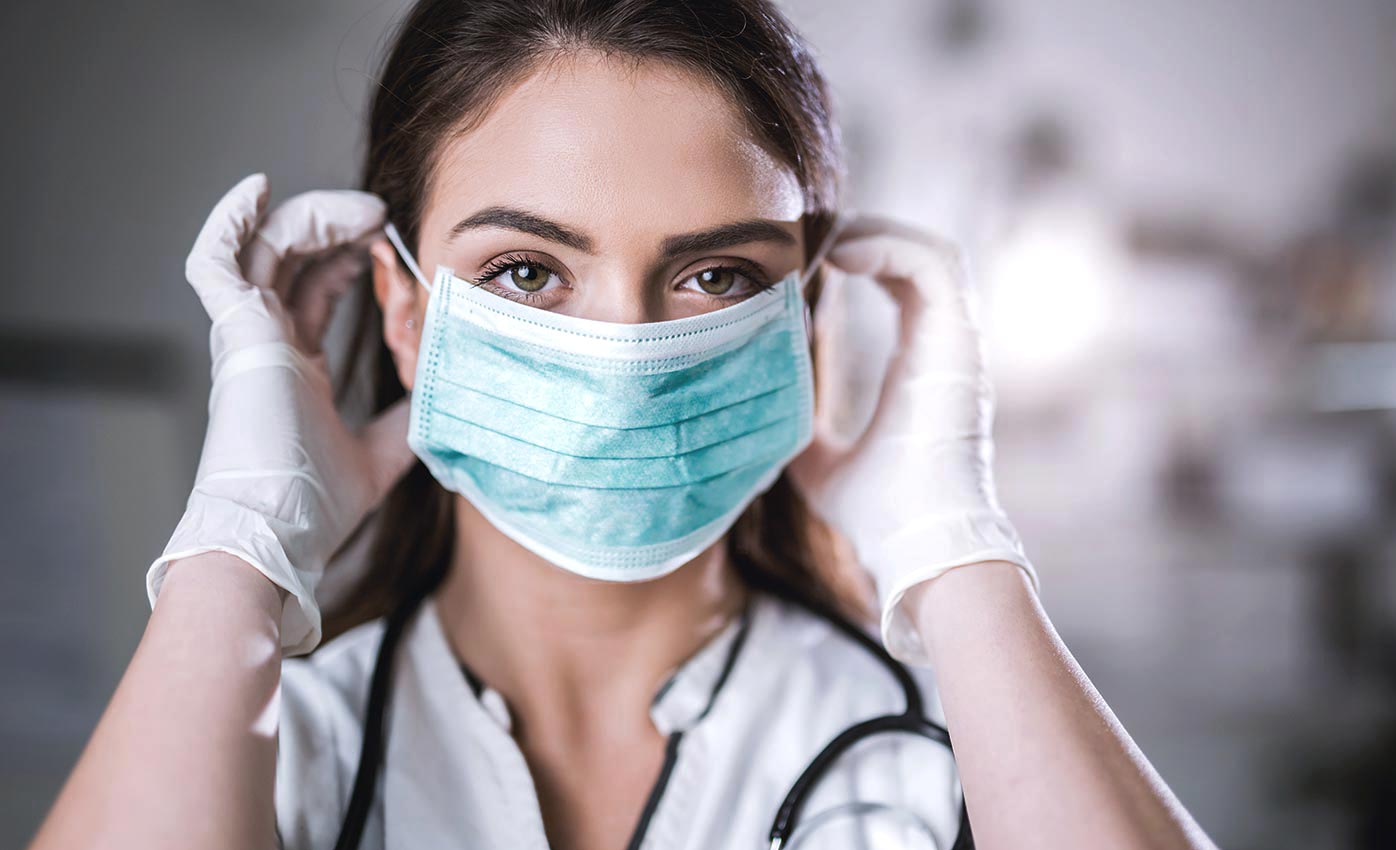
(716,281)
(529,278)
(519,277)
(727,282)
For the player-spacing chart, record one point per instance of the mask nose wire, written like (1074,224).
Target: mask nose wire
(396,238)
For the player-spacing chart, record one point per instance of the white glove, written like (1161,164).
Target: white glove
(914,492)
(281,482)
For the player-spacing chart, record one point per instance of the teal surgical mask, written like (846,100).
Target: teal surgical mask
(617,451)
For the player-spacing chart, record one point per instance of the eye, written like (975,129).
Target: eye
(518,277)
(727,282)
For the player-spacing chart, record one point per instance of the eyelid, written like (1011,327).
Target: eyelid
(509,260)
(502,261)
(753,270)
(756,277)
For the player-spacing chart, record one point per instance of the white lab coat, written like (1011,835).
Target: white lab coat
(454,777)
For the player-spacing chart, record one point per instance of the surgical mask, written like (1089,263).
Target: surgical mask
(617,451)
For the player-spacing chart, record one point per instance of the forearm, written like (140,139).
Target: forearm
(185,753)
(1044,762)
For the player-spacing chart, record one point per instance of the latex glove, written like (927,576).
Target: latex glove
(914,492)
(282,481)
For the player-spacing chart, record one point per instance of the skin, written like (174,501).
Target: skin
(629,156)
(1043,760)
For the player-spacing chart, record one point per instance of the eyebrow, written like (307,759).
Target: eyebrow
(722,236)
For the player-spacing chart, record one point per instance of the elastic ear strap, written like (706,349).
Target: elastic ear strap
(396,238)
(841,220)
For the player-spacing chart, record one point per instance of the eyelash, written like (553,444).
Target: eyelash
(509,262)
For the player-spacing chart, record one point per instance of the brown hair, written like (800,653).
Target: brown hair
(449,62)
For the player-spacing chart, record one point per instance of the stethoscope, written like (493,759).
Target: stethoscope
(911,720)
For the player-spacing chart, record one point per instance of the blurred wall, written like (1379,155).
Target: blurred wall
(1181,217)
(127,121)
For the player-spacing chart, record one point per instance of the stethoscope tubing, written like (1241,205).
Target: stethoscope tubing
(912,720)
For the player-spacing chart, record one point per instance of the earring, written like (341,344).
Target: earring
(411,323)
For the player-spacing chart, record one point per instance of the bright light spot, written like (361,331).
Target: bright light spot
(1048,287)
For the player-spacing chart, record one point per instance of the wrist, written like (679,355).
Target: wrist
(244,538)
(968,600)
(224,576)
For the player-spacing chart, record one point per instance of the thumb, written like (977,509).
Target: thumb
(385,443)
(212,265)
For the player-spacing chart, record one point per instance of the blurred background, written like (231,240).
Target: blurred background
(1182,217)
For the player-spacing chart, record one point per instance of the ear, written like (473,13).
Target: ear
(401,299)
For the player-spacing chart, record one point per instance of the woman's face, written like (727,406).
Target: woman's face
(604,190)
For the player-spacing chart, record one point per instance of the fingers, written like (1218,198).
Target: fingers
(308,224)
(913,267)
(924,274)
(316,291)
(212,265)
(935,380)
(306,251)
(861,225)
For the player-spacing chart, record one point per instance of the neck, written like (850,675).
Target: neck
(567,651)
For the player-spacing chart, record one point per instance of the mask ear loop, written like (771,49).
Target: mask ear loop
(406,255)
(841,220)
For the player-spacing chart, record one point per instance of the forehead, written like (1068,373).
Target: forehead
(618,148)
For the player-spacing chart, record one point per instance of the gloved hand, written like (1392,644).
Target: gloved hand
(282,482)
(914,492)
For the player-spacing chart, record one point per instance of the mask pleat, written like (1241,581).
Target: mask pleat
(611,517)
(474,412)
(606,394)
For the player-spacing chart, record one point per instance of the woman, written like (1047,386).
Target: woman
(599,612)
